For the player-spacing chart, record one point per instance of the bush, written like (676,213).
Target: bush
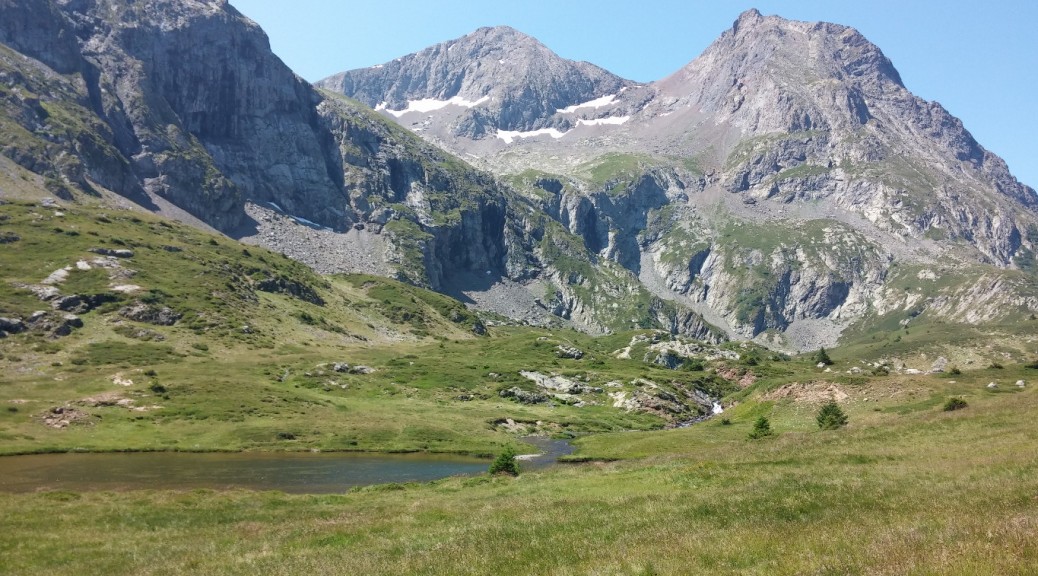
(955,404)
(955,371)
(831,417)
(822,357)
(505,463)
(761,429)
(995,366)
(693,365)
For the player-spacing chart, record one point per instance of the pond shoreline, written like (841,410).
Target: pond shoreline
(296,471)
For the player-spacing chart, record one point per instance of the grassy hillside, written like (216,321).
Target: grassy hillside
(186,341)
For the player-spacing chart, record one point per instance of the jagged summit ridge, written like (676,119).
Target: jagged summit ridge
(506,80)
(805,75)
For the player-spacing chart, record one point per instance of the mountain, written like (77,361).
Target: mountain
(493,79)
(181,108)
(785,184)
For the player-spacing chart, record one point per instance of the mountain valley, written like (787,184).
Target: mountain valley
(483,242)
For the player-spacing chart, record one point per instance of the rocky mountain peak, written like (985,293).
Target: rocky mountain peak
(747,19)
(495,78)
(765,64)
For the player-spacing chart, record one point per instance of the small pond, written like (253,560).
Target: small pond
(293,472)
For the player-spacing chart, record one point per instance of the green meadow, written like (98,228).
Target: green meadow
(268,356)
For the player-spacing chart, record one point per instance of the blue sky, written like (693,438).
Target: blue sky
(978,59)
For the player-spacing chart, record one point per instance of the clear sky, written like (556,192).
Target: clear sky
(978,59)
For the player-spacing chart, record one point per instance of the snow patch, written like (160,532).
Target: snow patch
(432,104)
(275,206)
(596,103)
(612,120)
(377,66)
(510,135)
(310,223)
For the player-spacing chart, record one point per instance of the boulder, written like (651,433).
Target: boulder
(669,360)
(56,326)
(11,326)
(81,303)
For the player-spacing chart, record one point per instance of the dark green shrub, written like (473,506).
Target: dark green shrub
(157,388)
(822,357)
(995,366)
(726,422)
(761,429)
(831,417)
(955,403)
(955,371)
(693,365)
(505,463)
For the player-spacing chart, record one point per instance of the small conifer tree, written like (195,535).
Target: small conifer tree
(761,429)
(831,417)
(505,463)
(822,357)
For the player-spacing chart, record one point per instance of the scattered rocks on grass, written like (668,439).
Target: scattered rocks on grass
(808,392)
(150,314)
(523,396)
(558,383)
(563,351)
(118,253)
(65,416)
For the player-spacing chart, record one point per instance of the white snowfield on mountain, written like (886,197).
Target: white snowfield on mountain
(510,136)
(432,104)
(596,103)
